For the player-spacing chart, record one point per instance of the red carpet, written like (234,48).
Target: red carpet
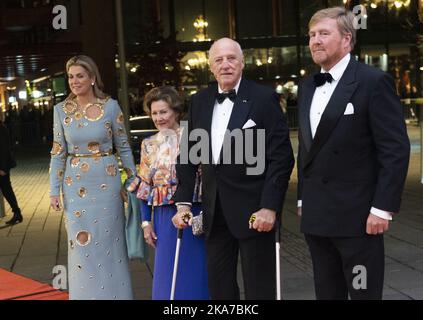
(15,287)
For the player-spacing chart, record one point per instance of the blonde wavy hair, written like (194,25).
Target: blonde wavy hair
(91,67)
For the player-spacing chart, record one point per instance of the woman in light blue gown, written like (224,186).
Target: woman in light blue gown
(88,127)
(157,184)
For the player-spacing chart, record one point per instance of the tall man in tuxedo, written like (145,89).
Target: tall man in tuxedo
(7,162)
(352,163)
(230,193)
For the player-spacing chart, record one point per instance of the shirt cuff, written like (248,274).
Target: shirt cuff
(299,203)
(381,213)
(183,203)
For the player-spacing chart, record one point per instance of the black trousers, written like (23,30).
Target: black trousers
(343,266)
(7,190)
(257,262)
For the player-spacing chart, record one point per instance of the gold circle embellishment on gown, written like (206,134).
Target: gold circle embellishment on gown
(75,162)
(60,173)
(82,192)
(109,133)
(67,120)
(94,111)
(77,214)
(78,176)
(120,118)
(83,238)
(56,149)
(107,125)
(70,107)
(111,170)
(94,147)
(103,186)
(121,131)
(78,115)
(85,167)
(68,181)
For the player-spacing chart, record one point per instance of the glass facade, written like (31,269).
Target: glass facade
(274,37)
(287,12)
(253,19)
(201,20)
(167,40)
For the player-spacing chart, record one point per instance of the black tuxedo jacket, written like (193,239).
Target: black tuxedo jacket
(355,161)
(7,160)
(240,194)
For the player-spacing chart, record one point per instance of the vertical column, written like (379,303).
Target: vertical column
(172,25)
(98,37)
(298,34)
(2,210)
(276,18)
(232,19)
(421,142)
(123,92)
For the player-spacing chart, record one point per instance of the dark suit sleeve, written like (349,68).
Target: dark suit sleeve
(185,169)
(299,155)
(391,142)
(299,168)
(4,148)
(279,156)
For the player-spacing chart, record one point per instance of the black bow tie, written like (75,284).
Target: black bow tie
(320,78)
(222,96)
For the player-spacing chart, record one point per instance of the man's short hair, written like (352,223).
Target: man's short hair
(236,43)
(344,19)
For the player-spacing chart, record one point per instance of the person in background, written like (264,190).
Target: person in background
(7,162)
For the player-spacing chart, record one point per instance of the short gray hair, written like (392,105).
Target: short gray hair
(237,45)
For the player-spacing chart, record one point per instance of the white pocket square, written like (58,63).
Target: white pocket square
(249,124)
(349,109)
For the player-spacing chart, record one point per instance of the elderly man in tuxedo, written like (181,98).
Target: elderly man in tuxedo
(236,108)
(352,162)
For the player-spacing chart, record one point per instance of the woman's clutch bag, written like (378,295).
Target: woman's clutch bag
(197,224)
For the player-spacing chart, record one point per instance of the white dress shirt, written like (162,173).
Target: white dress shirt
(323,93)
(321,99)
(221,115)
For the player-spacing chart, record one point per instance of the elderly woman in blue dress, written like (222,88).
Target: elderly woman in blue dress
(88,126)
(157,186)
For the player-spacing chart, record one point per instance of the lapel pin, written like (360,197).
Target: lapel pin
(244,101)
